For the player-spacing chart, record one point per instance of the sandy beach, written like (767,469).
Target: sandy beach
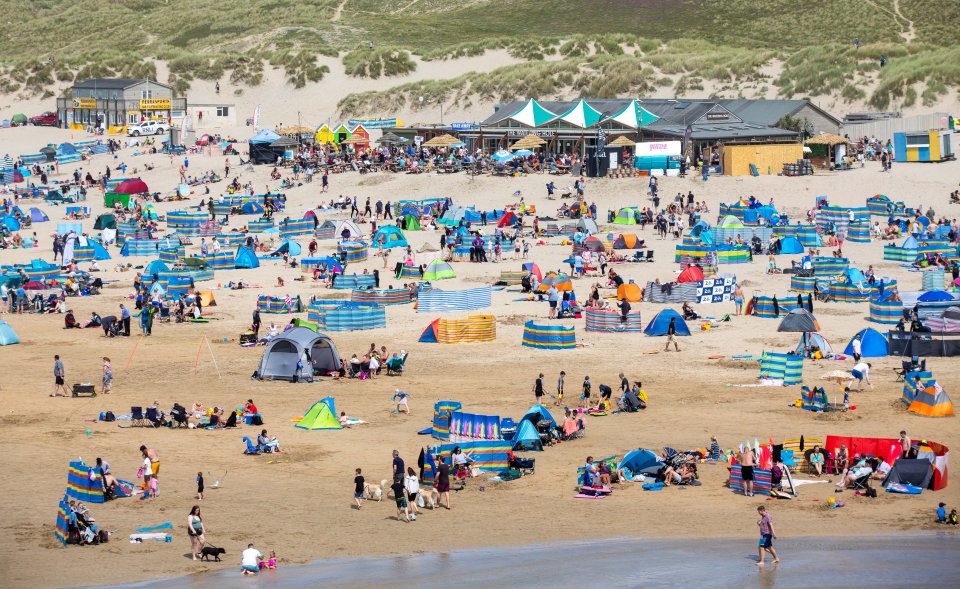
(299,503)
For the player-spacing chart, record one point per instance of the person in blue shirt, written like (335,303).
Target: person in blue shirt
(942,513)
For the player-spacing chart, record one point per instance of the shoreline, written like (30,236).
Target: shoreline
(546,564)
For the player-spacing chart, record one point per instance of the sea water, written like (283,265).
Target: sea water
(904,560)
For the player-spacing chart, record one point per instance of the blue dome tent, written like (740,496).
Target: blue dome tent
(389,236)
(288,247)
(659,324)
(8,336)
(246,258)
(872,344)
(790,245)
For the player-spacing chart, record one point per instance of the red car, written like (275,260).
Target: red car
(47,119)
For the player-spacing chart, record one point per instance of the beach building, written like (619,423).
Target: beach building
(707,125)
(118,102)
(212,115)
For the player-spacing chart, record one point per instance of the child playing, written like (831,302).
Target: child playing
(942,513)
(107,376)
(270,563)
(585,397)
(560,389)
(358,486)
(200,486)
(397,488)
(400,398)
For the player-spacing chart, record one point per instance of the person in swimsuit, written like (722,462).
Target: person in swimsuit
(746,470)
(738,299)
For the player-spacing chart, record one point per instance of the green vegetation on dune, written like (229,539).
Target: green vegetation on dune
(560,41)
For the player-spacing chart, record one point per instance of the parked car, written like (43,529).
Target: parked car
(148,128)
(47,119)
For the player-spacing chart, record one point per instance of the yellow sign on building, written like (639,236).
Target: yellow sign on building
(85,103)
(154,104)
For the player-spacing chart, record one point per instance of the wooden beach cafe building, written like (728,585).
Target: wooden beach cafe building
(746,128)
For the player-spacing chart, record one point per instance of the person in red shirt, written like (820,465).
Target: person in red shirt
(250,407)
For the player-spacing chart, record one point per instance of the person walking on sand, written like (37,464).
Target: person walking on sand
(358,485)
(58,375)
(411,484)
(738,299)
(746,471)
(443,481)
(672,335)
(538,389)
(400,498)
(196,531)
(107,376)
(767,535)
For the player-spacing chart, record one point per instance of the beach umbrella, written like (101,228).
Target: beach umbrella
(560,281)
(390,139)
(935,296)
(527,142)
(131,186)
(837,376)
(522,153)
(503,156)
(445,140)
(622,141)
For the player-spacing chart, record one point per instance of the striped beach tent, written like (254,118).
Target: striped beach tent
(763,306)
(269,304)
(354,281)
(441,301)
(858,232)
(787,367)
(825,266)
(290,228)
(808,236)
(260,225)
(607,321)
(396,296)
(356,251)
(473,329)
(352,318)
(84,483)
(549,337)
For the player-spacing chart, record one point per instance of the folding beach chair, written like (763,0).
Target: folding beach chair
(153,416)
(136,417)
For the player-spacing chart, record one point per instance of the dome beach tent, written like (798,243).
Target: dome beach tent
(389,236)
(438,270)
(661,321)
(691,274)
(288,247)
(323,415)
(246,258)
(640,462)
(279,360)
(790,245)
(8,336)
(872,344)
(799,321)
(808,341)
(630,291)
(411,223)
(331,229)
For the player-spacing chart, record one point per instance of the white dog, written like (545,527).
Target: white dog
(374,492)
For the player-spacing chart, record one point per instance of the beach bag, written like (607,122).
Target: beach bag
(104,536)
(256,420)
(871,492)
(420,501)
(109,416)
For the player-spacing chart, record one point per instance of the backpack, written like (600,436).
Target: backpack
(109,416)
(256,420)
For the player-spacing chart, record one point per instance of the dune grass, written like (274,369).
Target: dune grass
(378,62)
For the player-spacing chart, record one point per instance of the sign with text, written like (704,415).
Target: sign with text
(658,148)
(525,132)
(462,126)
(154,104)
(84,103)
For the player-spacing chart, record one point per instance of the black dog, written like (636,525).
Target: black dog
(213,551)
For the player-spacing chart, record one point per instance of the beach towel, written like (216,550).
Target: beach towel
(904,489)
(165,526)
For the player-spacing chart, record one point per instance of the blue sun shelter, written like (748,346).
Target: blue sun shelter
(790,245)
(389,236)
(8,336)
(659,324)
(246,258)
(873,344)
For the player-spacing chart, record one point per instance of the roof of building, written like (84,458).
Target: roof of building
(113,83)
(721,131)
(680,111)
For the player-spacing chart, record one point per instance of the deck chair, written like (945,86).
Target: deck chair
(251,447)
(164,314)
(136,417)
(862,483)
(153,416)
(395,365)
(179,417)
(905,367)
(649,257)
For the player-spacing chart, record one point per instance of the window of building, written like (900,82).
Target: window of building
(223,111)
(146,94)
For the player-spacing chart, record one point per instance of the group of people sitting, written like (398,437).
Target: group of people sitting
(371,364)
